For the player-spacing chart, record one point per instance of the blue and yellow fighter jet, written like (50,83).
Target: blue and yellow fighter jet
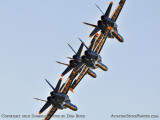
(58,98)
(92,57)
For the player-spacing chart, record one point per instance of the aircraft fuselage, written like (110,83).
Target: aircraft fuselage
(110,22)
(62,101)
(114,32)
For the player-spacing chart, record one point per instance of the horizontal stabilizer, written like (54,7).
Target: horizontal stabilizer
(97,29)
(71,106)
(69,68)
(117,36)
(44,107)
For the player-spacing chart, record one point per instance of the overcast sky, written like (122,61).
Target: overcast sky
(34,34)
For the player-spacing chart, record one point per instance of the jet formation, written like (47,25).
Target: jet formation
(81,65)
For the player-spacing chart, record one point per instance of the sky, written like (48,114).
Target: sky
(34,34)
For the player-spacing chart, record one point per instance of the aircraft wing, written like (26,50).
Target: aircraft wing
(64,90)
(92,44)
(118,10)
(97,42)
(50,113)
(82,74)
(101,40)
(68,82)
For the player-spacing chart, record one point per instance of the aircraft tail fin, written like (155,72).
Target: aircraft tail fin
(40,99)
(89,24)
(99,9)
(80,50)
(72,48)
(62,63)
(58,85)
(83,43)
(108,10)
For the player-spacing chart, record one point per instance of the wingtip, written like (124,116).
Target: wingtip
(61,75)
(112,3)
(39,112)
(71,89)
(60,79)
(90,36)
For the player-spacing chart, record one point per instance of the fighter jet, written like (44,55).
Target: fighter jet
(108,21)
(57,99)
(91,59)
(75,60)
